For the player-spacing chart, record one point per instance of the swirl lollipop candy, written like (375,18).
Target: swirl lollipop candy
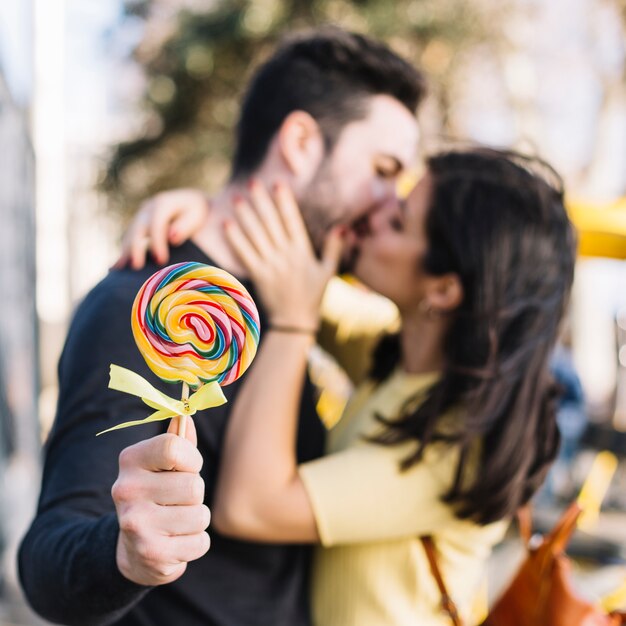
(195,324)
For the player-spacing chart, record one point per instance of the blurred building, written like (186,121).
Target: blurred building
(19,427)
(553,82)
(17,276)
(76,116)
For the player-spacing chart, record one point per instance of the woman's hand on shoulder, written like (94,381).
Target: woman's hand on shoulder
(168,218)
(271,240)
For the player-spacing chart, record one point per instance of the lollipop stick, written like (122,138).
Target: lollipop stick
(182,419)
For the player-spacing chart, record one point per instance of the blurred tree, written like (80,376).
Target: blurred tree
(197,61)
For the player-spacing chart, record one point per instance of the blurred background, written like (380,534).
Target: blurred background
(103,103)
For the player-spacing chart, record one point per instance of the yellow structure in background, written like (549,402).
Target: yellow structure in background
(595,488)
(601,227)
(590,500)
(616,600)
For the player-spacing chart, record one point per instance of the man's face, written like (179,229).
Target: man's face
(359,176)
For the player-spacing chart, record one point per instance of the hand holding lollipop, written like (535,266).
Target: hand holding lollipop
(194,324)
(197,325)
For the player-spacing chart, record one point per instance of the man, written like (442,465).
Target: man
(332,115)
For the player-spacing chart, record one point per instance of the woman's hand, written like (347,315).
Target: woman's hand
(270,238)
(169,218)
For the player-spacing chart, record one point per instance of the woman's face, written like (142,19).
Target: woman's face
(390,257)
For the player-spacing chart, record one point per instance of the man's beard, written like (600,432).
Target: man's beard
(320,211)
(318,205)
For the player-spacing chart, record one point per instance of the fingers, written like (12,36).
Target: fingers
(291,215)
(133,246)
(163,488)
(268,214)
(190,429)
(159,552)
(253,228)
(175,216)
(138,244)
(175,521)
(159,500)
(186,223)
(121,262)
(158,230)
(333,250)
(169,217)
(186,548)
(148,554)
(162,453)
(270,223)
(242,247)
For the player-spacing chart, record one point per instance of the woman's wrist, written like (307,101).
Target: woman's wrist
(294,329)
(294,324)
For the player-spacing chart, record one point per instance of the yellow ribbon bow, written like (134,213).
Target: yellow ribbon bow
(124,380)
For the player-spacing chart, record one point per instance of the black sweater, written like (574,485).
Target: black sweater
(67,559)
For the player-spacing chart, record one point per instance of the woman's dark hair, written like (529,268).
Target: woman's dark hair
(497,220)
(328,73)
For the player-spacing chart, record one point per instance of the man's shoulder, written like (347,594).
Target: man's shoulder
(119,287)
(101,322)
(116,287)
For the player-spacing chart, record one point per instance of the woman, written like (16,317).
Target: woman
(452,428)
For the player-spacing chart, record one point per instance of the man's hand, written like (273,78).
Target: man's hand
(159,498)
(168,218)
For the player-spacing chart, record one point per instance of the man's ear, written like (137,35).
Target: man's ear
(300,144)
(444,293)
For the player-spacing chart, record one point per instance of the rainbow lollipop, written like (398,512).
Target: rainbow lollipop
(194,324)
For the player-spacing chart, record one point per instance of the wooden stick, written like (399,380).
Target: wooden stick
(182,419)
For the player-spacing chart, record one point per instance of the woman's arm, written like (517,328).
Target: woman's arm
(259,494)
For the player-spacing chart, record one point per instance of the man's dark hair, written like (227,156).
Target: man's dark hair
(328,73)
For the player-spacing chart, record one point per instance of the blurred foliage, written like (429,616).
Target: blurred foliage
(197,64)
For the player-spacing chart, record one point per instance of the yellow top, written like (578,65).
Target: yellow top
(372,570)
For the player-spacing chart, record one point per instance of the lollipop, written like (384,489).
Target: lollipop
(194,324)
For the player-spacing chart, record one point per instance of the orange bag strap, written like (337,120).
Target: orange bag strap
(558,538)
(447,603)
(524,518)
(561,533)
(525,522)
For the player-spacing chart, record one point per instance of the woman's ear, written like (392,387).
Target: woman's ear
(301,145)
(444,293)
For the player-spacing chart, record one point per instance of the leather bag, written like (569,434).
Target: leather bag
(541,594)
